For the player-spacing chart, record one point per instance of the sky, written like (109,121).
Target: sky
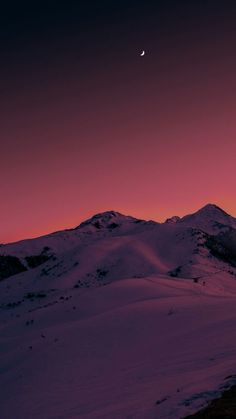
(88,125)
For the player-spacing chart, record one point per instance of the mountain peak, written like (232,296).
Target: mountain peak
(108,219)
(212,208)
(210,218)
(210,211)
(173,220)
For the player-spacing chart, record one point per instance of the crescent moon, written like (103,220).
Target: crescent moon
(142,53)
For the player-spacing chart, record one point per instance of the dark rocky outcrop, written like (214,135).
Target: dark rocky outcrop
(10,265)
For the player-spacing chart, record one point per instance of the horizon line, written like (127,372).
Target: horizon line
(65,228)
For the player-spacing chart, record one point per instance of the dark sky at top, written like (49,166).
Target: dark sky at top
(91,22)
(88,125)
(43,36)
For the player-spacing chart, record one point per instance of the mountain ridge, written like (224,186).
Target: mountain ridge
(210,208)
(119,317)
(123,246)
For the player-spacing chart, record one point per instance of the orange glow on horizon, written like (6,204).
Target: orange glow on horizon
(151,137)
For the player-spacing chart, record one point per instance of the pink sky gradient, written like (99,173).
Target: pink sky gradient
(151,137)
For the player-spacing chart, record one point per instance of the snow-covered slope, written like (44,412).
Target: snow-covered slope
(111,246)
(211,219)
(156,341)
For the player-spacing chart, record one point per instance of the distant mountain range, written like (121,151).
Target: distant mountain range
(119,318)
(112,246)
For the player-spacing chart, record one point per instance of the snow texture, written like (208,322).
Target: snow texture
(119,318)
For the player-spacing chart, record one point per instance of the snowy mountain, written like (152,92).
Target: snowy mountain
(118,317)
(121,247)
(211,219)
